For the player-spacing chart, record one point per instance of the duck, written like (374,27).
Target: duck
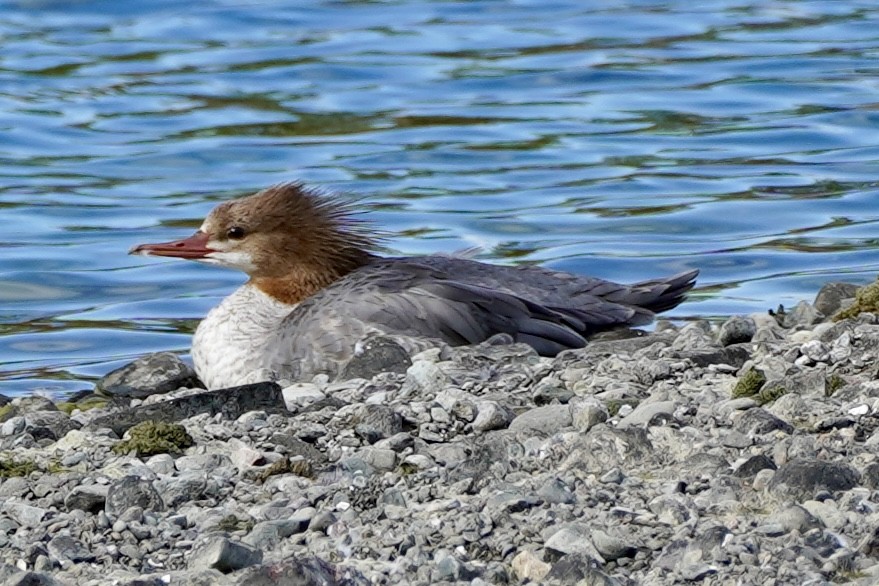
(317,288)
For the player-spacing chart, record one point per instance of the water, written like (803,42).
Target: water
(623,139)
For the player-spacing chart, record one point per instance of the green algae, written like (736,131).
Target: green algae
(155,437)
(749,384)
(866,301)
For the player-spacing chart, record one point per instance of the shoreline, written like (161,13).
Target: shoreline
(743,452)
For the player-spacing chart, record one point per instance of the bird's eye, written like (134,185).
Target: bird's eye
(235,233)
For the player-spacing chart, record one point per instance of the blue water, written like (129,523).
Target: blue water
(622,139)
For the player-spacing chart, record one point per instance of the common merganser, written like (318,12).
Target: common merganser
(317,288)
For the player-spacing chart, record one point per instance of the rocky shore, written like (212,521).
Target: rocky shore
(742,452)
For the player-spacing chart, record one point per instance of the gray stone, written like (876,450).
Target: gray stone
(131,491)
(376,355)
(231,403)
(188,485)
(301,394)
(31,579)
(573,538)
(151,374)
(376,422)
(491,415)
(831,296)
(554,490)
(612,547)
(321,521)
(803,314)
(737,330)
(750,467)
(805,478)
(546,420)
(426,377)
(13,426)
(759,421)
(380,459)
(89,498)
(221,553)
(66,548)
(26,515)
(580,569)
(649,414)
(51,424)
(587,412)
(299,571)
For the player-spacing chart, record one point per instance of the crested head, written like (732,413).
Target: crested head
(290,239)
(274,231)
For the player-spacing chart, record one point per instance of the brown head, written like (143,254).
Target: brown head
(291,240)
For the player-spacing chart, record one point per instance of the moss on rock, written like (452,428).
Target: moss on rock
(155,437)
(749,384)
(10,468)
(866,301)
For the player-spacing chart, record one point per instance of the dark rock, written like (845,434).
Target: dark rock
(824,542)
(736,330)
(804,478)
(328,403)
(753,465)
(374,356)
(231,403)
(579,568)
(296,447)
(221,553)
(376,422)
(298,571)
(735,355)
(759,421)
(870,477)
(132,491)
(831,296)
(152,374)
(66,548)
(90,498)
(546,394)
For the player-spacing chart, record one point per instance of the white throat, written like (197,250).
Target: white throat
(234,344)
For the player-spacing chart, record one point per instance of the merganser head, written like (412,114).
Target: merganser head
(285,230)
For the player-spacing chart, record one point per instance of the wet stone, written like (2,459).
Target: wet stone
(151,374)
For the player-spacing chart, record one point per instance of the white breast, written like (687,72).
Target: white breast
(234,345)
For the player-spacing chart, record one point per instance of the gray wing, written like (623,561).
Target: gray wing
(415,300)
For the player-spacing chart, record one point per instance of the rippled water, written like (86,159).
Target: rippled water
(623,139)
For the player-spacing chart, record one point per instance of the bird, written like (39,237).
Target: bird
(318,288)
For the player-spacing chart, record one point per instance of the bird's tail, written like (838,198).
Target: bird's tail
(660,295)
